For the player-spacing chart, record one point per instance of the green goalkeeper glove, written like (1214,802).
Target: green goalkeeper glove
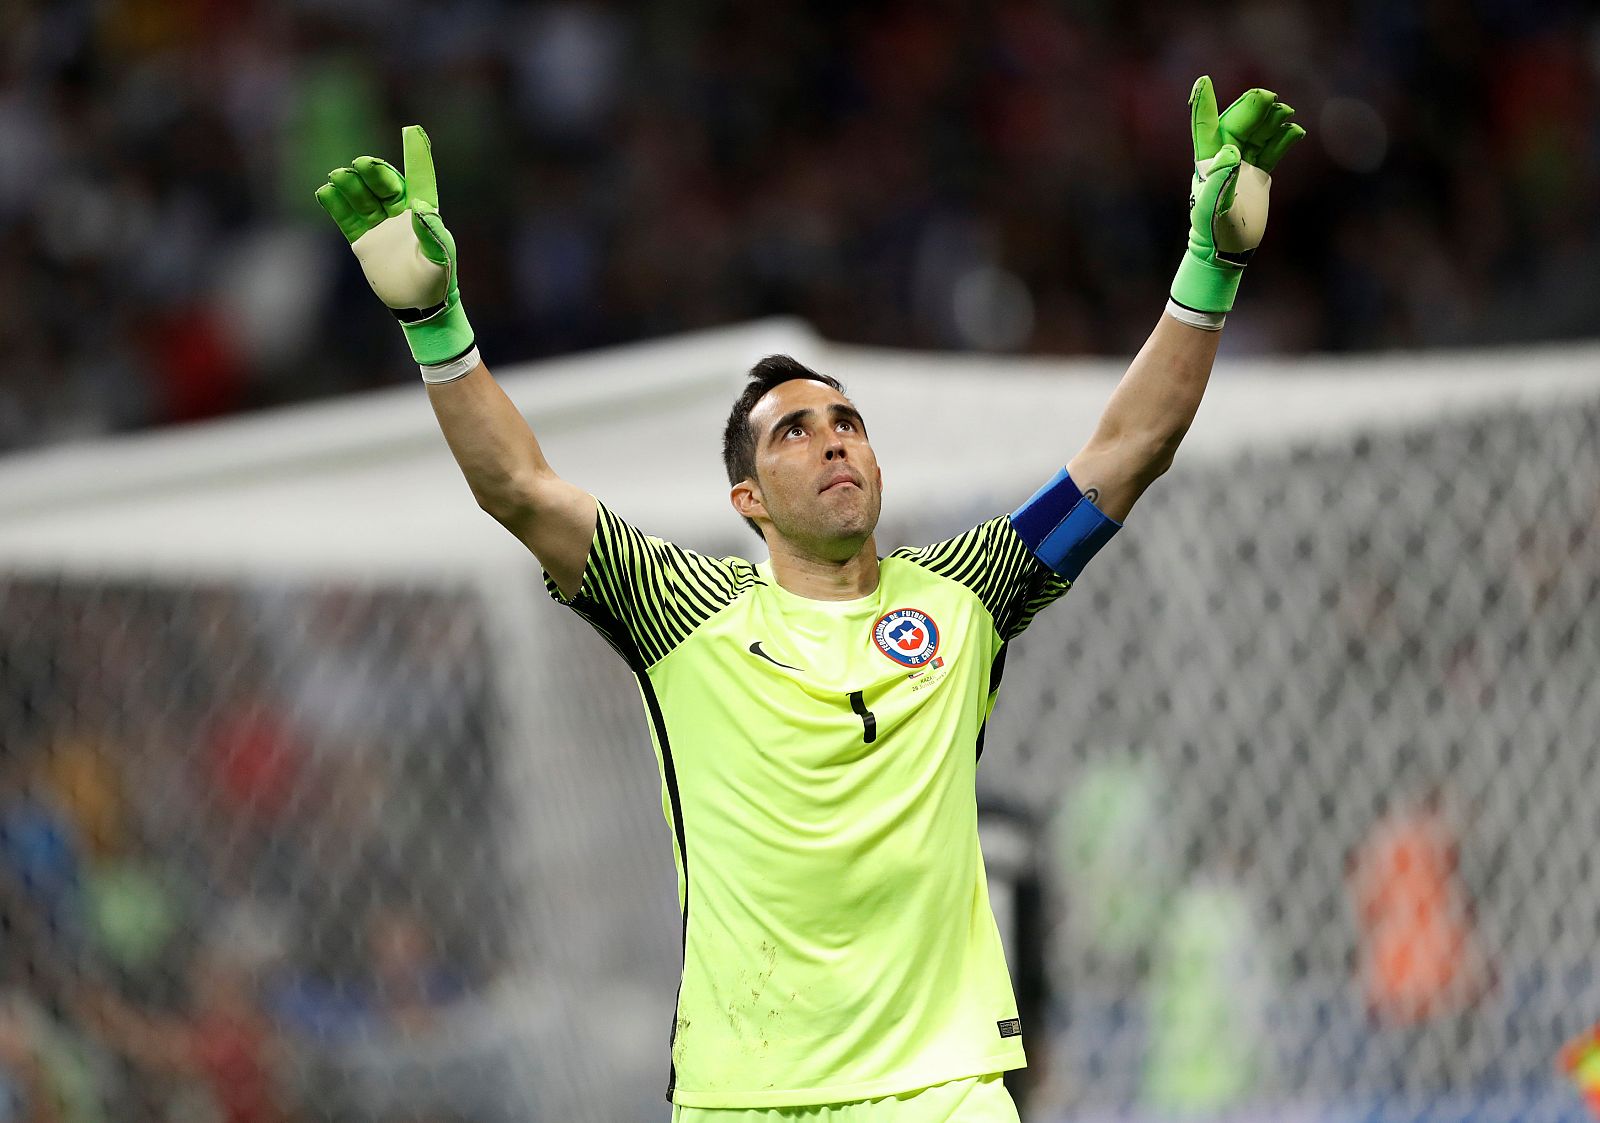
(392,223)
(1234,154)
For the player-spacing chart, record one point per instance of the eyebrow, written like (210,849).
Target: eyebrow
(838,410)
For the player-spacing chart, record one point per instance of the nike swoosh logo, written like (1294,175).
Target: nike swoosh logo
(755,649)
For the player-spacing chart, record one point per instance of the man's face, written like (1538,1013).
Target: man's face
(817,479)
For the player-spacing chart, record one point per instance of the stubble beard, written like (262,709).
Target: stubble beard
(832,534)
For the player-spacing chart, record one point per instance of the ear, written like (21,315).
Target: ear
(747,501)
(879,470)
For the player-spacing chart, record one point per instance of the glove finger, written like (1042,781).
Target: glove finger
(1230,189)
(1252,143)
(351,225)
(432,237)
(1288,136)
(387,185)
(1216,192)
(1203,119)
(420,179)
(1246,114)
(1227,156)
(356,194)
(1263,130)
(1282,113)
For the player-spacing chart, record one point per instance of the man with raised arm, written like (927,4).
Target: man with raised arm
(818,717)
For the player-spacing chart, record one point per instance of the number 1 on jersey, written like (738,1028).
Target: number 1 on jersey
(869,721)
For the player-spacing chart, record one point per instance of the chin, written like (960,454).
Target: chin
(836,535)
(837,541)
(849,535)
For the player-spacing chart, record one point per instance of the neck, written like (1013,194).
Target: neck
(815,578)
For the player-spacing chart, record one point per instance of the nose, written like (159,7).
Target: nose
(835,449)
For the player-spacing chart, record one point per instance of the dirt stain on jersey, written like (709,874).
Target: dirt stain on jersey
(680,1033)
(744,1007)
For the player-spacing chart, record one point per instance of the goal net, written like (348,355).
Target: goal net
(311,802)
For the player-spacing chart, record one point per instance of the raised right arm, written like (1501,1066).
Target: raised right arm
(392,224)
(509,476)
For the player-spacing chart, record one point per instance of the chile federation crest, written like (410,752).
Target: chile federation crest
(908,636)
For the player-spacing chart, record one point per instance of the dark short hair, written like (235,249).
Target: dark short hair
(738,442)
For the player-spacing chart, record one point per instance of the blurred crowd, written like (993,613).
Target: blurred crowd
(233,830)
(1005,175)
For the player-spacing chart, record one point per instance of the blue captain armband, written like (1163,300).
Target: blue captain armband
(1062,526)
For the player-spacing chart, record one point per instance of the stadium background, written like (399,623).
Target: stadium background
(281,821)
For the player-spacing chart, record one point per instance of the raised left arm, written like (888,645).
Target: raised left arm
(1153,405)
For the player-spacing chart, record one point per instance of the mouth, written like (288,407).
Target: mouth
(841,481)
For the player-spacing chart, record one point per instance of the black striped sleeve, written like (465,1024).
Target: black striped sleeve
(646,595)
(992,560)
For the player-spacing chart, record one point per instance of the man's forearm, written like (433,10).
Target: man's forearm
(1147,416)
(1157,398)
(491,440)
(510,477)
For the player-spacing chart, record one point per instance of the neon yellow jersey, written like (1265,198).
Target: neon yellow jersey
(818,763)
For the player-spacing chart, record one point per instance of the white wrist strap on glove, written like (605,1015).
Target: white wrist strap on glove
(1205,321)
(449,372)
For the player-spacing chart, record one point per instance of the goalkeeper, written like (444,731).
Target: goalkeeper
(818,717)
